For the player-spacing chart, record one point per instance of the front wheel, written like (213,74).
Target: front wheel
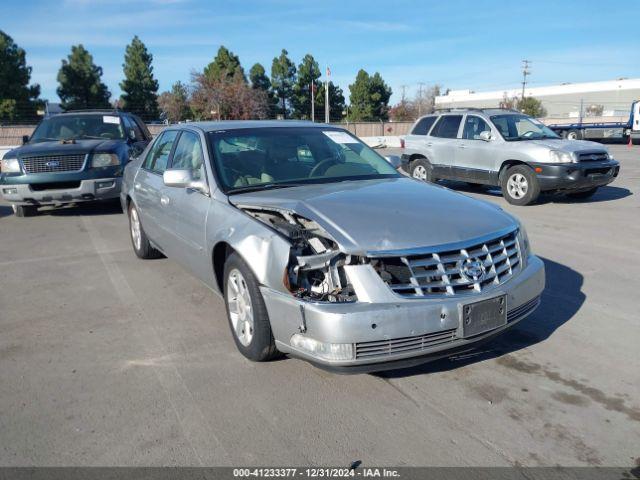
(583,195)
(141,245)
(246,311)
(422,170)
(24,210)
(520,185)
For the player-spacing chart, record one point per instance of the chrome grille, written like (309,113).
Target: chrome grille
(404,345)
(447,272)
(593,157)
(522,310)
(53,163)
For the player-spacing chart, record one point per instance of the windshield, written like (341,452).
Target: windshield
(71,127)
(260,158)
(521,127)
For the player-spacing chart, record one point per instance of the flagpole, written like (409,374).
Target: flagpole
(313,103)
(326,97)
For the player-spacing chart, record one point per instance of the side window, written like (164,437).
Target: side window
(423,126)
(447,126)
(131,125)
(158,155)
(473,127)
(188,155)
(144,131)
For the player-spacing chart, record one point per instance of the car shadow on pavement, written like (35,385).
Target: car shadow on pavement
(604,194)
(109,207)
(561,300)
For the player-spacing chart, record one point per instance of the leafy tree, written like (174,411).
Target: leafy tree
(80,84)
(260,81)
(308,73)
(139,87)
(369,98)
(18,99)
(283,77)
(175,104)
(336,102)
(225,64)
(531,106)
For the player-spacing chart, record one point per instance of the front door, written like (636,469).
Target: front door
(475,158)
(443,139)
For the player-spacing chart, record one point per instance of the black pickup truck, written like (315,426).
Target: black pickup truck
(71,157)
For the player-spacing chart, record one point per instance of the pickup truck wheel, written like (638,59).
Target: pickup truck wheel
(24,210)
(574,135)
(246,311)
(583,195)
(422,170)
(139,239)
(520,185)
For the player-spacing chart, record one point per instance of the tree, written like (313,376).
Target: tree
(139,87)
(308,73)
(80,82)
(18,99)
(260,81)
(531,106)
(403,110)
(594,110)
(227,98)
(336,102)
(225,64)
(175,104)
(283,77)
(369,98)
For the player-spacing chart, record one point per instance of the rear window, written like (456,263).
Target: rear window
(447,126)
(423,126)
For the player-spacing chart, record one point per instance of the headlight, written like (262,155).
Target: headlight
(609,156)
(324,350)
(104,160)
(525,246)
(558,156)
(10,165)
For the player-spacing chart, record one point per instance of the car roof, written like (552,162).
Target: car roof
(214,126)
(93,112)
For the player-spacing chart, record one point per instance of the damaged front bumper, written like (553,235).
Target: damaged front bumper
(394,332)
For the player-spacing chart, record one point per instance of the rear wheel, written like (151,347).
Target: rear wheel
(520,185)
(583,195)
(574,135)
(246,311)
(139,239)
(421,170)
(25,210)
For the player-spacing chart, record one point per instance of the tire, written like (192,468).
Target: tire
(24,210)
(139,240)
(246,312)
(574,135)
(583,195)
(421,170)
(520,185)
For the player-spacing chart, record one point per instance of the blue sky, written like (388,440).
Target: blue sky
(457,43)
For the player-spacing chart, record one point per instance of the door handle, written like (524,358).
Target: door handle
(164,200)
(429,144)
(137,186)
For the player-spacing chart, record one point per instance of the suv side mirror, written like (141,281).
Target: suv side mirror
(132,135)
(486,135)
(25,139)
(183,179)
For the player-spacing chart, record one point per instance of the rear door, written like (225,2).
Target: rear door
(151,194)
(444,142)
(190,207)
(475,158)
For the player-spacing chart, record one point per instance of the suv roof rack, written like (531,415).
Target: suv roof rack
(473,109)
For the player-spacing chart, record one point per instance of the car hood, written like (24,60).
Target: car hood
(58,148)
(386,214)
(566,145)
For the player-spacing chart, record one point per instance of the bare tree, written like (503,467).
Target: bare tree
(594,110)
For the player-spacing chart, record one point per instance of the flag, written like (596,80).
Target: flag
(328,72)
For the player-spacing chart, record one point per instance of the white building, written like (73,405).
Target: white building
(560,101)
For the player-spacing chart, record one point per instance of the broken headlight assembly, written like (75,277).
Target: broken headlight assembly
(315,269)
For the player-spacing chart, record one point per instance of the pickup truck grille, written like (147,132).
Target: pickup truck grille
(593,157)
(53,163)
(469,270)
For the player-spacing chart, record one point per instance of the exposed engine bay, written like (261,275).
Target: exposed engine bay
(315,270)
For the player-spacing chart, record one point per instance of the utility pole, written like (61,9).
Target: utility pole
(326,97)
(420,85)
(313,102)
(525,73)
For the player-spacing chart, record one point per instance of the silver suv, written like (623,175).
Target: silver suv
(505,148)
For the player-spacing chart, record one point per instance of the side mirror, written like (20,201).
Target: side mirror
(25,139)
(183,179)
(394,160)
(486,136)
(132,135)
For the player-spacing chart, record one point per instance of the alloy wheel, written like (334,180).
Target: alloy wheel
(517,185)
(420,173)
(240,307)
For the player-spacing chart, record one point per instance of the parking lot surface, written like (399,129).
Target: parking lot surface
(110,360)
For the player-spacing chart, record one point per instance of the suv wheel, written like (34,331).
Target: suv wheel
(421,170)
(24,210)
(520,185)
(247,314)
(139,239)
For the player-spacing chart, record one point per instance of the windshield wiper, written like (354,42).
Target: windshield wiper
(264,186)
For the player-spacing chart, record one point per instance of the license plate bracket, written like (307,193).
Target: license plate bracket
(483,316)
